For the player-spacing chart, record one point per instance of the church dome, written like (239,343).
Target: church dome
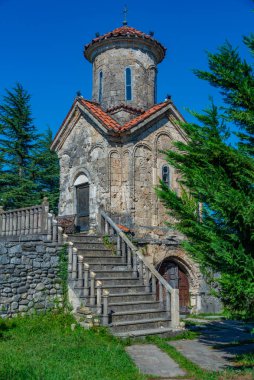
(124,70)
(124,33)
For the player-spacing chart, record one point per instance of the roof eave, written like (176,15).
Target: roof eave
(55,143)
(62,133)
(147,120)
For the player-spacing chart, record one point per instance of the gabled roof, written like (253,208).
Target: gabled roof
(100,115)
(110,123)
(104,120)
(125,107)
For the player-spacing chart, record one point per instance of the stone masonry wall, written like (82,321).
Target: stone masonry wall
(28,277)
(112,63)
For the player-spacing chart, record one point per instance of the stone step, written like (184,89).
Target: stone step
(96,253)
(91,245)
(136,315)
(85,238)
(142,324)
(129,306)
(111,274)
(104,260)
(118,281)
(127,297)
(106,266)
(125,289)
(161,331)
(101,253)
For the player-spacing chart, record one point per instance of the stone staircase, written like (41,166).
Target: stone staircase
(133,311)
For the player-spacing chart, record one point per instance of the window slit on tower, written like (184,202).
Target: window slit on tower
(100,86)
(128,84)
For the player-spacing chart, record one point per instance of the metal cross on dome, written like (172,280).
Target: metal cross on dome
(125,12)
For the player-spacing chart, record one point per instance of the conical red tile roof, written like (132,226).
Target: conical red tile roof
(125,31)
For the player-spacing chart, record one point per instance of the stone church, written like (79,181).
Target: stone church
(110,152)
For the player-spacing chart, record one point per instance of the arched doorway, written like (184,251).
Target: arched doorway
(82,202)
(177,277)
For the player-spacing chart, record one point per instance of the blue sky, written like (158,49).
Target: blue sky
(42,43)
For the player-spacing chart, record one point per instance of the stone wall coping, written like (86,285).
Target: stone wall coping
(169,241)
(27,238)
(22,209)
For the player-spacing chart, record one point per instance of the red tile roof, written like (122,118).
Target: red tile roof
(110,123)
(144,116)
(100,115)
(126,107)
(105,119)
(125,31)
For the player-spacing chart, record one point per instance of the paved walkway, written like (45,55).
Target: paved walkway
(214,350)
(152,361)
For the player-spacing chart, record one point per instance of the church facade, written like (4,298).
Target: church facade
(110,152)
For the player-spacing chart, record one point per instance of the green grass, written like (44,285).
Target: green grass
(245,360)
(44,347)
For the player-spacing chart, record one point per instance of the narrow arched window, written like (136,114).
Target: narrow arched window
(128,84)
(155,87)
(100,86)
(165,175)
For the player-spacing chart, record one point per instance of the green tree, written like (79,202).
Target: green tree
(234,77)
(220,177)
(46,169)
(17,139)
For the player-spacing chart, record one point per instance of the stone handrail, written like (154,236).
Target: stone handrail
(88,288)
(145,271)
(34,220)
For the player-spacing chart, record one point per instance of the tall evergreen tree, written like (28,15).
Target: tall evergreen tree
(46,169)
(235,79)
(17,139)
(221,178)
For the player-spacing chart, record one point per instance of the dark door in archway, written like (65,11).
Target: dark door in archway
(178,279)
(83,207)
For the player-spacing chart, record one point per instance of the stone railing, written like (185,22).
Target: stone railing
(168,296)
(87,288)
(30,221)
(91,292)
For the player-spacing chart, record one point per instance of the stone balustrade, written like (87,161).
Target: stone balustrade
(141,268)
(91,291)
(30,221)
(88,288)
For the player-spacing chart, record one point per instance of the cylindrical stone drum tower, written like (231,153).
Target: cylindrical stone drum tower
(124,68)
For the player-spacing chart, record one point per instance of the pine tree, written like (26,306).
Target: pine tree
(221,178)
(17,139)
(46,169)
(235,79)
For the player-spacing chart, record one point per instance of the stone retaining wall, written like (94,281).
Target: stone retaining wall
(28,277)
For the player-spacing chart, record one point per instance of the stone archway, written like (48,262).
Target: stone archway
(177,276)
(82,188)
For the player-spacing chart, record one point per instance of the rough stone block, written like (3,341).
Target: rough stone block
(40,286)
(22,289)
(23,308)
(15,249)
(4,259)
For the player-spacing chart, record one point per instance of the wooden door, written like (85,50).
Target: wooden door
(83,207)
(178,279)
(184,292)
